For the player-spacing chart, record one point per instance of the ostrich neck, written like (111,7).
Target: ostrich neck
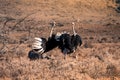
(74,30)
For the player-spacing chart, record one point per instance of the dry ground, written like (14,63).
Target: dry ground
(97,22)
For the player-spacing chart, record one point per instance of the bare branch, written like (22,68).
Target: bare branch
(21,20)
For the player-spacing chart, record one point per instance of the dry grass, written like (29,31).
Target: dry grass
(96,21)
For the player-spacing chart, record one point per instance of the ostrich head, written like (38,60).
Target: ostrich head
(54,24)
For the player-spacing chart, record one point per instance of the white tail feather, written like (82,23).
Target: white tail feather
(37,43)
(37,39)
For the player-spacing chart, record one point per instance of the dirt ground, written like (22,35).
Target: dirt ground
(96,21)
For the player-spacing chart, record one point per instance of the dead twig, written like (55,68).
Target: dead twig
(21,20)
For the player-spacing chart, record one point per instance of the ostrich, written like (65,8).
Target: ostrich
(75,38)
(41,45)
(65,44)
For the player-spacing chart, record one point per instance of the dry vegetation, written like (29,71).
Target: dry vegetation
(97,21)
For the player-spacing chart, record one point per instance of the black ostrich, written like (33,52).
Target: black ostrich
(75,39)
(65,43)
